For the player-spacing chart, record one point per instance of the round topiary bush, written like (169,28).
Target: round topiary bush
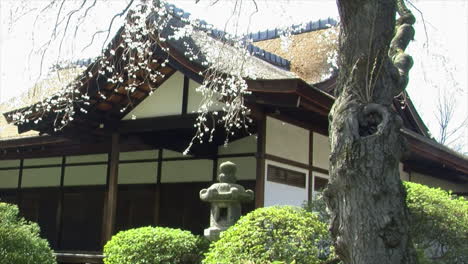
(152,245)
(20,242)
(271,234)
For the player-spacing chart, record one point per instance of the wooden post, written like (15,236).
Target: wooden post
(260,179)
(157,194)
(59,213)
(311,164)
(110,213)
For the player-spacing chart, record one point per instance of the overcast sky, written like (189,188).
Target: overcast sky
(446,24)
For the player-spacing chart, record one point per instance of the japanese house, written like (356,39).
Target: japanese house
(107,171)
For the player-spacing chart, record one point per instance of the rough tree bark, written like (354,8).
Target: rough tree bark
(365,195)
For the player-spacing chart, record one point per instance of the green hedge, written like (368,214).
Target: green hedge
(271,234)
(20,242)
(152,245)
(439,223)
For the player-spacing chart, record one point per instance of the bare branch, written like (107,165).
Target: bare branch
(69,15)
(82,18)
(124,11)
(57,19)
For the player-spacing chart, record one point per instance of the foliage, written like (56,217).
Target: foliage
(439,223)
(152,245)
(271,234)
(19,239)
(317,206)
(202,245)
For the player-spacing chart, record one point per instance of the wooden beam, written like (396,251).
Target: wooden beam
(281,86)
(32,141)
(290,100)
(111,207)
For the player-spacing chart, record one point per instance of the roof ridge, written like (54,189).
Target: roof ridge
(221,35)
(296,29)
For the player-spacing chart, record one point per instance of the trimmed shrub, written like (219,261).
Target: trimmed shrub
(439,224)
(20,242)
(271,234)
(152,245)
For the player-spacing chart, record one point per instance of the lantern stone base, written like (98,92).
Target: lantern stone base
(212,233)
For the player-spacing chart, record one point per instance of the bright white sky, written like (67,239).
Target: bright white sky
(446,24)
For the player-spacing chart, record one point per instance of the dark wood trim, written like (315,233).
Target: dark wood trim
(311,160)
(10,168)
(42,166)
(59,213)
(260,177)
(154,124)
(111,208)
(185,95)
(422,148)
(295,163)
(204,157)
(86,163)
(157,197)
(138,161)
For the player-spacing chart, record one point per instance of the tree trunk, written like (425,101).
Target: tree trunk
(365,195)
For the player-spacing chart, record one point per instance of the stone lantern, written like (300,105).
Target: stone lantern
(225,198)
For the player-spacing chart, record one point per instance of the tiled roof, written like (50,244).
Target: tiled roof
(296,29)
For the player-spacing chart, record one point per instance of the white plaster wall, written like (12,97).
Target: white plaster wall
(246,167)
(9,179)
(43,161)
(87,158)
(41,177)
(165,101)
(435,182)
(321,151)
(194,99)
(287,141)
(138,155)
(243,145)
(138,173)
(9,163)
(85,175)
(173,154)
(282,194)
(187,171)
